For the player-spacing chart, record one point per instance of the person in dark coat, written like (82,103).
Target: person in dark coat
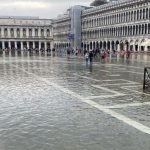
(91,56)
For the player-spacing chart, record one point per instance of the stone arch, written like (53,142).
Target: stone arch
(97,45)
(101,44)
(132,45)
(146,28)
(104,44)
(113,45)
(142,47)
(146,13)
(90,45)
(108,45)
(127,44)
(94,45)
(121,45)
(137,45)
(117,45)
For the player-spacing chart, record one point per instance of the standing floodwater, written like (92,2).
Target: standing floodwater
(52,103)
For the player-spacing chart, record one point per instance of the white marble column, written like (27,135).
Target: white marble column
(3,44)
(39,32)
(21,32)
(39,45)
(45,31)
(16,44)
(45,45)
(111,48)
(15,32)
(9,44)
(33,32)
(27,32)
(2,32)
(27,45)
(139,47)
(33,45)
(9,32)
(22,46)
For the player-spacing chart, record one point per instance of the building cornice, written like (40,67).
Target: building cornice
(111,6)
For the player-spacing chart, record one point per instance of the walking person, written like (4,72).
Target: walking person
(91,56)
(87,57)
(105,56)
(68,53)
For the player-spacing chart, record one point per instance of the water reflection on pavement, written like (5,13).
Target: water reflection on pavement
(51,103)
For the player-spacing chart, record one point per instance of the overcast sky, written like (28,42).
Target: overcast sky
(41,8)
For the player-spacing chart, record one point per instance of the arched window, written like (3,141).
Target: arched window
(147,13)
(12,32)
(5,32)
(108,21)
(126,29)
(144,13)
(126,16)
(134,15)
(138,14)
(95,22)
(102,32)
(123,30)
(24,32)
(131,30)
(146,29)
(149,28)
(129,16)
(48,33)
(142,28)
(42,32)
(105,20)
(136,29)
(18,32)
(30,32)
(117,18)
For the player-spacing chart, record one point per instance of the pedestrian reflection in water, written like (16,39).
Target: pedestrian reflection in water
(91,68)
(19,52)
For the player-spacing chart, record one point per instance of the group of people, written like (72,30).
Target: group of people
(89,55)
(127,53)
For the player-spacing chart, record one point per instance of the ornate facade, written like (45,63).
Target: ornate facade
(61,28)
(118,25)
(25,33)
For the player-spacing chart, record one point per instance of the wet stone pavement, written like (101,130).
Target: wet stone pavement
(51,103)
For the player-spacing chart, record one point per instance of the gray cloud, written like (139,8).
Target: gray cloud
(41,8)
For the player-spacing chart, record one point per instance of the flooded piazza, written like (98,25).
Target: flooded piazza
(55,103)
